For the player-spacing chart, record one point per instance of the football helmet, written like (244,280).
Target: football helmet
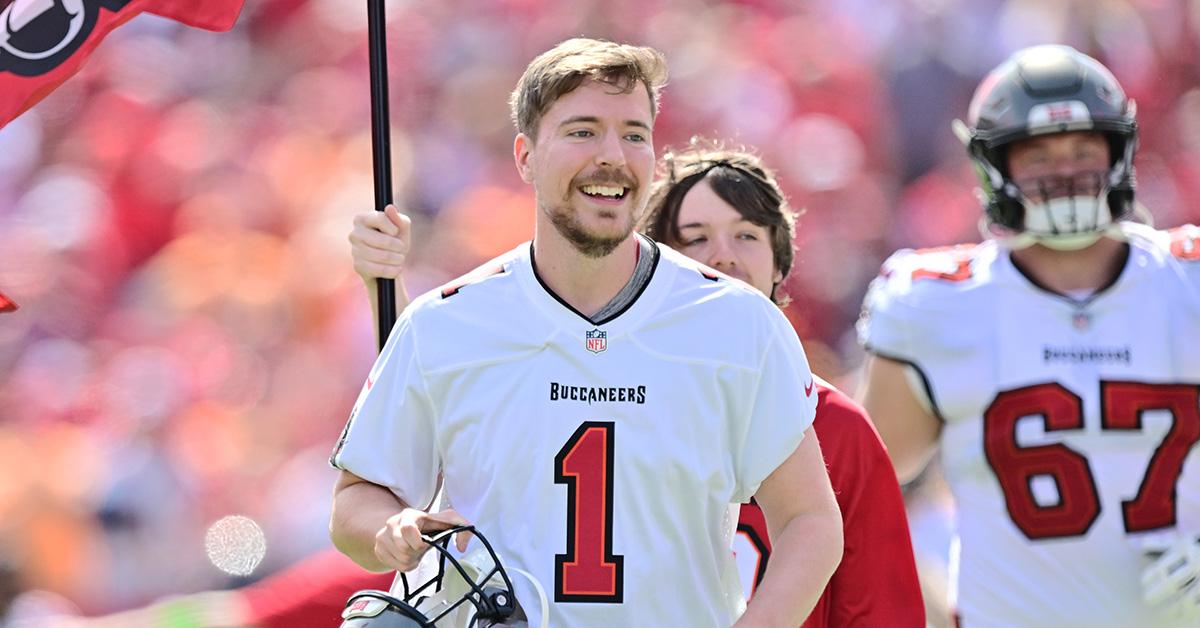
(1042,90)
(474,592)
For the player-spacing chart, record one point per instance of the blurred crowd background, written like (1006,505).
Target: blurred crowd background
(173,224)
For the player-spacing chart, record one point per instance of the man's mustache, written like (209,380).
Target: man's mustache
(605,177)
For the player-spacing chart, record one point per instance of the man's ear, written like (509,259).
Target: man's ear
(522,151)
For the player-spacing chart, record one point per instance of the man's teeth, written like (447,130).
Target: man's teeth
(604,190)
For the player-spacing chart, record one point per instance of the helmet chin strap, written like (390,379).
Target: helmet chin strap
(1017,240)
(1073,242)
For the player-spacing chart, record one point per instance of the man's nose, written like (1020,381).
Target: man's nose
(611,152)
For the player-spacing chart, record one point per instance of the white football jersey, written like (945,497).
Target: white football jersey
(1070,429)
(601,458)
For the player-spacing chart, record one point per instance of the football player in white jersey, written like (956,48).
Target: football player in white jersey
(575,404)
(1056,363)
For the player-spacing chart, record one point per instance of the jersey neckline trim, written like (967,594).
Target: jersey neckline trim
(655,255)
(1127,255)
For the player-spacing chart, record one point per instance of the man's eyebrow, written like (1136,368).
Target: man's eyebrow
(595,120)
(578,119)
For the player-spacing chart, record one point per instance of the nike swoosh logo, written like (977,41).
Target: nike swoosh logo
(808,388)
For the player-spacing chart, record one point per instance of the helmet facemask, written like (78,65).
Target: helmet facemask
(1066,212)
(472,591)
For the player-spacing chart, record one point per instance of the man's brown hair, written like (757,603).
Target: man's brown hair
(563,68)
(739,178)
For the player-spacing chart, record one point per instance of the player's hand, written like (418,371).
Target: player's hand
(1173,578)
(399,545)
(379,243)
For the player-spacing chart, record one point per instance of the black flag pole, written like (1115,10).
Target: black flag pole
(381,145)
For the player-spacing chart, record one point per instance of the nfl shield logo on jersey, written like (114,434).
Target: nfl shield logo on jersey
(596,341)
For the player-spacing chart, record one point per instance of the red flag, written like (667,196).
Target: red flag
(45,42)
(7,304)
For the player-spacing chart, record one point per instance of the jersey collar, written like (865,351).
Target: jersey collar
(628,305)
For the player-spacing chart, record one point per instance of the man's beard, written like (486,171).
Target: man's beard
(591,245)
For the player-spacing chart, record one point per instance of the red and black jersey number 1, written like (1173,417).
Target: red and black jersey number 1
(1078,507)
(588,571)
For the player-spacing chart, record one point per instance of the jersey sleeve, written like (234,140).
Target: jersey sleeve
(390,438)
(780,409)
(927,309)
(885,327)
(876,583)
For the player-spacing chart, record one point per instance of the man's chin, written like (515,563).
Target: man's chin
(597,247)
(595,237)
(597,242)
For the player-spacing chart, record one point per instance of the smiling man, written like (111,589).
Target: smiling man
(622,506)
